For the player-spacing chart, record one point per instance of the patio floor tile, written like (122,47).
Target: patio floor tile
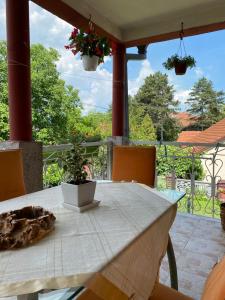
(198,244)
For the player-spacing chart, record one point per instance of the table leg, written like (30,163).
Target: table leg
(172,265)
(33,296)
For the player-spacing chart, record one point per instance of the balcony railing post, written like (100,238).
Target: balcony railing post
(109,159)
(213,183)
(192,175)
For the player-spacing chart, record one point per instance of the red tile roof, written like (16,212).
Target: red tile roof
(212,135)
(185,119)
(188,136)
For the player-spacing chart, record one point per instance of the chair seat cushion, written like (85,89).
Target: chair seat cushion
(215,285)
(162,292)
(87,295)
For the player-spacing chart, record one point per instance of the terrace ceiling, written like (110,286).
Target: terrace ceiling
(135,22)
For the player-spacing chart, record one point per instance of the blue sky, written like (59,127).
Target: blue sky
(96,87)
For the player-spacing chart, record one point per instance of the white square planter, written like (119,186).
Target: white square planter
(78,195)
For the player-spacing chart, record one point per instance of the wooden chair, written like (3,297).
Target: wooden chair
(214,289)
(136,163)
(11,174)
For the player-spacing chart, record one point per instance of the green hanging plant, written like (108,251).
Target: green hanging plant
(180,62)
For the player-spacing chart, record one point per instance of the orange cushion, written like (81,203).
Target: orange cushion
(134,163)
(11,174)
(162,292)
(215,285)
(100,288)
(88,295)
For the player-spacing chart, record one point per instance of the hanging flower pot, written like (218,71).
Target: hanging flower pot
(90,63)
(180,62)
(92,48)
(180,68)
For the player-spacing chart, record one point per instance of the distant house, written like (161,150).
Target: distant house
(212,135)
(188,136)
(186,120)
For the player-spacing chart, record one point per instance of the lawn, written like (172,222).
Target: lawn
(200,204)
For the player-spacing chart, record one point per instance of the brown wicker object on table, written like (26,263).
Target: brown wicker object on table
(22,227)
(222,214)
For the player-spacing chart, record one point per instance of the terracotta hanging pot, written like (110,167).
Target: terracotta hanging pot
(90,63)
(180,68)
(222,214)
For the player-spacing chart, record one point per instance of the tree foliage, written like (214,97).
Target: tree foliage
(205,103)
(52,101)
(156,97)
(141,126)
(4,122)
(170,158)
(55,106)
(97,124)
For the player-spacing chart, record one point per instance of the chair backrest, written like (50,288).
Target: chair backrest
(136,163)
(215,285)
(11,174)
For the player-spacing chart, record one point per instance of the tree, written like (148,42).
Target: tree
(205,103)
(97,124)
(141,128)
(171,158)
(3,74)
(53,102)
(156,96)
(4,127)
(56,108)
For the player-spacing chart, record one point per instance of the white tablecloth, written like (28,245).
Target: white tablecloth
(123,239)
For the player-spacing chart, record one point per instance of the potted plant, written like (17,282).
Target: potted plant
(222,214)
(221,194)
(179,63)
(92,48)
(77,190)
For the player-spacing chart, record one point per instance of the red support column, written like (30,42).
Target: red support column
(19,78)
(118,90)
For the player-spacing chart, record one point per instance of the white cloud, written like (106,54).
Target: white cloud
(2,21)
(182,95)
(60,28)
(2,12)
(95,87)
(146,70)
(36,17)
(199,72)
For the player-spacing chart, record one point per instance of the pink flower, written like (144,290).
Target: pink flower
(74,33)
(99,51)
(74,51)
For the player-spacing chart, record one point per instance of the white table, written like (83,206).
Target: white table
(103,240)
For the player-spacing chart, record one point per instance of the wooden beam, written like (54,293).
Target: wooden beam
(65,12)
(68,14)
(175,34)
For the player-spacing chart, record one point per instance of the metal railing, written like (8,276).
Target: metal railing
(202,196)
(98,154)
